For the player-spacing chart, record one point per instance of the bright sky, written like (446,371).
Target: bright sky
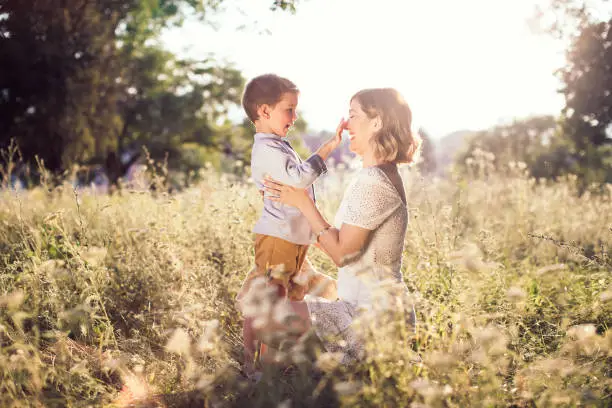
(460,64)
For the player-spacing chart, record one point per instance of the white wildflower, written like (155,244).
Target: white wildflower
(581,331)
(551,268)
(515,294)
(347,387)
(179,342)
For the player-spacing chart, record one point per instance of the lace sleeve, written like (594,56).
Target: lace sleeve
(369,202)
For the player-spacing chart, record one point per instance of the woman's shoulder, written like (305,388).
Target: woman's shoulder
(362,178)
(369,173)
(372,176)
(372,183)
(368,183)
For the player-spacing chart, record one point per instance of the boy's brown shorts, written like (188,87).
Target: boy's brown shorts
(280,262)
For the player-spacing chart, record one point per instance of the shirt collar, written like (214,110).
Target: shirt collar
(260,135)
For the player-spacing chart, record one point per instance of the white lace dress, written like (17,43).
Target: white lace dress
(373,203)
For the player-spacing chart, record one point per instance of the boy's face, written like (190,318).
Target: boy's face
(279,118)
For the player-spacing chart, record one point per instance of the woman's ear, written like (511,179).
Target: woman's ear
(377,123)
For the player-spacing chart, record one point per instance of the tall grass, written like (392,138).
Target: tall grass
(129,299)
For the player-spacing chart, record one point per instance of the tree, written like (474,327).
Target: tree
(165,102)
(427,163)
(54,78)
(521,141)
(587,86)
(81,79)
(566,19)
(588,101)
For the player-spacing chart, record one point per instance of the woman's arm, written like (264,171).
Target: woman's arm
(342,245)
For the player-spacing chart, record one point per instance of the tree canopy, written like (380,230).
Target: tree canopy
(579,141)
(82,79)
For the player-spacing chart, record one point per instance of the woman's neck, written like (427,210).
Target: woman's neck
(370,160)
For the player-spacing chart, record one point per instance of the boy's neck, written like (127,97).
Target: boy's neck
(263,128)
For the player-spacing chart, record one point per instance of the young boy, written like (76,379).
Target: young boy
(282,233)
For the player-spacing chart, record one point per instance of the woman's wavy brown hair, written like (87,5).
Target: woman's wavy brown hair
(395,142)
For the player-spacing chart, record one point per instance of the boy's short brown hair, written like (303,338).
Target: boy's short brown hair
(265,89)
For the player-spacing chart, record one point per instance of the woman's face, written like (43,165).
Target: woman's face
(361,129)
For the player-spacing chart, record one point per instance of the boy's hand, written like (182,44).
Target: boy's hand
(337,139)
(329,146)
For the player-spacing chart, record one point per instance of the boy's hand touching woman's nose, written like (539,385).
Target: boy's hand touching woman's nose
(329,146)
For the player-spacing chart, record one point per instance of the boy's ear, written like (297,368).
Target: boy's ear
(263,111)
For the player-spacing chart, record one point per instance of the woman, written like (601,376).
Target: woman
(368,239)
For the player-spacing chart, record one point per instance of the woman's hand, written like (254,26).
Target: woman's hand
(285,194)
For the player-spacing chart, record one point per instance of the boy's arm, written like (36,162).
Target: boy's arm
(271,159)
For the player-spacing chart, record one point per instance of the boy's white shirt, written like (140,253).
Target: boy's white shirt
(272,155)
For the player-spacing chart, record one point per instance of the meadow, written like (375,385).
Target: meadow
(128,299)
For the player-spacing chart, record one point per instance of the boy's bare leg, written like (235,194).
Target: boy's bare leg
(294,327)
(250,344)
(246,284)
(254,336)
(255,351)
